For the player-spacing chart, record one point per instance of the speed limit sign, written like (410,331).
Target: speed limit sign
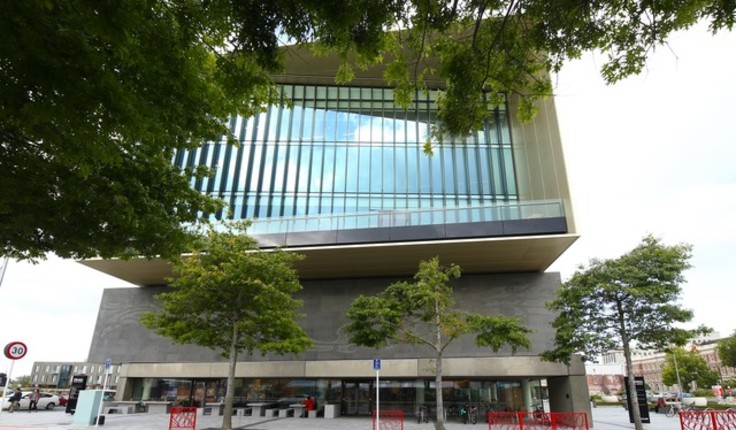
(15,350)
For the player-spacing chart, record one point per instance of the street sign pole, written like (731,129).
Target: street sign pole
(107,373)
(104,388)
(13,351)
(377,366)
(7,382)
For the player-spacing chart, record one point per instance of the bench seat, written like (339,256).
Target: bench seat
(288,412)
(272,412)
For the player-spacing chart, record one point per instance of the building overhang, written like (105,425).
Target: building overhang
(476,255)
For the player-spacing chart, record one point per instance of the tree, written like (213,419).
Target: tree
(423,313)
(21,381)
(691,366)
(727,350)
(621,303)
(97,96)
(234,298)
(95,99)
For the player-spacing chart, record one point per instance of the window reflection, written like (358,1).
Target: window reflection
(347,150)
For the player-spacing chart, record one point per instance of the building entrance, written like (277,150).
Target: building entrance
(357,396)
(203,392)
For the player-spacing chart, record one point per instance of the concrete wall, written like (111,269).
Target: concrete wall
(121,337)
(570,393)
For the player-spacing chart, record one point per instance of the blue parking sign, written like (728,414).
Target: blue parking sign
(377,364)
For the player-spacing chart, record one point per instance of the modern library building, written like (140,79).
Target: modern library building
(339,174)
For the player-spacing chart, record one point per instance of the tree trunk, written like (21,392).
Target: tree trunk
(632,388)
(439,424)
(227,416)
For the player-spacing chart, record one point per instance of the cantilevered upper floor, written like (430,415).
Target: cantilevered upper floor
(339,173)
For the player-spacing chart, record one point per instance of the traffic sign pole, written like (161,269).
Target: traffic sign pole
(7,382)
(377,366)
(104,388)
(13,351)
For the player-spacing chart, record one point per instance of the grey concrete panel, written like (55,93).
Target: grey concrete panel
(569,394)
(324,237)
(411,233)
(478,367)
(364,235)
(419,232)
(120,336)
(534,226)
(474,229)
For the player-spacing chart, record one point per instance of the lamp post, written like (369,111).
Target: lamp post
(677,373)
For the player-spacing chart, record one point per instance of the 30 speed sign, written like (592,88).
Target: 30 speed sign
(15,350)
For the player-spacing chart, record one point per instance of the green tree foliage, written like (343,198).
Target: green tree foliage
(727,350)
(621,303)
(423,313)
(690,366)
(20,381)
(97,95)
(233,298)
(95,98)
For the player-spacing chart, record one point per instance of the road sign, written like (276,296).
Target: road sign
(15,350)
(377,364)
(108,362)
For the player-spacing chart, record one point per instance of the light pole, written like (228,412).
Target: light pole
(3,268)
(677,373)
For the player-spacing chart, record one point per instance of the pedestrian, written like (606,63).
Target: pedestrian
(15,400)
(34,398)
(308,406)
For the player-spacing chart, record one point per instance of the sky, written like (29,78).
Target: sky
(653,154)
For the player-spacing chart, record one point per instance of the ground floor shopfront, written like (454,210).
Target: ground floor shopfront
(354,396)
(492,383)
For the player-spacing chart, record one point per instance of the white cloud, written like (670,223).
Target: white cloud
(655,154)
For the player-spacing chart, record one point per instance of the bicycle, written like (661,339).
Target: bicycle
(671,410)
(469,413)
(473,414)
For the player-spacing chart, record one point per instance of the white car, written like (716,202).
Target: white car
(47,401)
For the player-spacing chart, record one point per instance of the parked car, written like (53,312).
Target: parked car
(47,401)
(667,396)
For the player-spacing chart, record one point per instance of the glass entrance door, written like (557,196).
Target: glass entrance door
(357,397)
(204,392)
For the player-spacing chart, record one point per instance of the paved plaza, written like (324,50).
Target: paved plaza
(608,418)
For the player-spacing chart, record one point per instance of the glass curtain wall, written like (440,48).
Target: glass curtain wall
(343,150)
(355,396)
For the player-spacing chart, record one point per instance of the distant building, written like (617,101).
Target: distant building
(605,378)
(649,364)
(58,374)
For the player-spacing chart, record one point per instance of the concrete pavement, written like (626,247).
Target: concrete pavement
(604,418)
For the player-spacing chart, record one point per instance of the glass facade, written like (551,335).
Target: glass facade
(355,396)
(332,150)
